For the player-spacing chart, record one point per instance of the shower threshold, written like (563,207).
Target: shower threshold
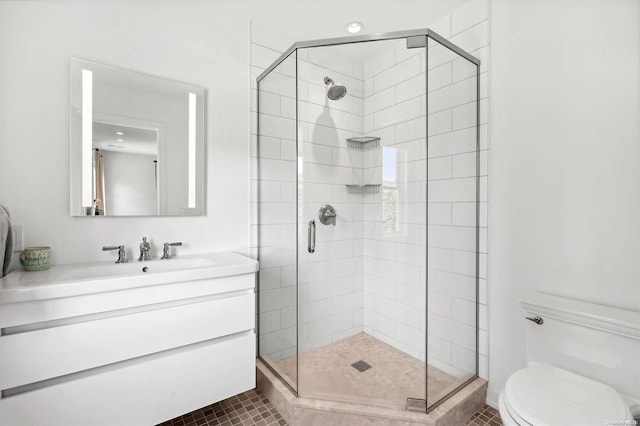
(334,392)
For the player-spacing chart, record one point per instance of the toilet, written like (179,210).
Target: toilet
(583,366)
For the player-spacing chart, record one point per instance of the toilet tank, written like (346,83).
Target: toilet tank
(596,341)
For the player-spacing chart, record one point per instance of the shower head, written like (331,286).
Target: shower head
(336,91)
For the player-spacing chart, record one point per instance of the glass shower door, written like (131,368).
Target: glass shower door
(362,292)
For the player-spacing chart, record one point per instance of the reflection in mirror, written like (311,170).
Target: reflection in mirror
(137,144)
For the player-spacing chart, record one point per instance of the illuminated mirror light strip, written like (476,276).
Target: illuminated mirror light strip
(87,138)
(192,151)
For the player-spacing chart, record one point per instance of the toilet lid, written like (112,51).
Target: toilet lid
(544,395)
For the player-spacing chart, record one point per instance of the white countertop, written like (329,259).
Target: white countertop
(97,277)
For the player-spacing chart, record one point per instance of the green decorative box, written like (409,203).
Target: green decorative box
(35,258)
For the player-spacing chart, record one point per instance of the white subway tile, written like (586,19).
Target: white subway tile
(278,298)
(269,278)
(440,168)
(379,101)
(439,122)
(450,143)
(379,62)
(314,310)
(439,258)
(453,237)
(278,84)
(439,213)
(463,359)
(464,165)
(277,127)
(464,214)
(439,77)
(411,130)
(439,55)
(397,74)
(262,56)
(453,284)
(269,103)
(411,254)
(463,189)
(411,295)
(368,88)
(346,303)
(442,26)
(468,15)
(410,336)
(411,88)
(463,311)
(277,170)
(268,147)
(440,304)
(473,38)
(398,113)
(464,263)
(460,93)
(439,349)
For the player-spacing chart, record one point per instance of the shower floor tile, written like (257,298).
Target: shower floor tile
(327,373)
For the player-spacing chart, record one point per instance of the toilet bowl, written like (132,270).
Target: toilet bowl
(544,395)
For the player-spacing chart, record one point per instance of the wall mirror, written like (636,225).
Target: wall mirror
(137,143)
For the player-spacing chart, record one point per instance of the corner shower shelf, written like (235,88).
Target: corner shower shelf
(363,143)
(363,189)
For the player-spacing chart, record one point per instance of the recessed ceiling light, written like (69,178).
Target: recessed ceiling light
(119,133)
(354,27)
(120,140)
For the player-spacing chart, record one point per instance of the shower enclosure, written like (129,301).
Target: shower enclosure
(366,210)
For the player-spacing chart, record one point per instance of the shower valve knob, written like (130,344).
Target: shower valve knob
(327,215)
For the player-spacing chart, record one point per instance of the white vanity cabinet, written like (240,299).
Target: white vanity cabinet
(134,355)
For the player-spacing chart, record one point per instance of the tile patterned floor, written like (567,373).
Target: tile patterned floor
(486,416)
(252,408)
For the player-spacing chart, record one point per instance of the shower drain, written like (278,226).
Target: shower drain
(361,366)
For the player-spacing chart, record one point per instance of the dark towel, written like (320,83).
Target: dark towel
(6,241)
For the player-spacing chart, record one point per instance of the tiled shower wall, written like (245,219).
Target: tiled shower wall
(357,281)
(394,262)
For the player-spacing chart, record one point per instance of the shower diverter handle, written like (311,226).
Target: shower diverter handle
(327,215)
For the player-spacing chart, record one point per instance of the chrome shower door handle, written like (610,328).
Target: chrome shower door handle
(311,236)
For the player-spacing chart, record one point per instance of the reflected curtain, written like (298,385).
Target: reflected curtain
(99,183)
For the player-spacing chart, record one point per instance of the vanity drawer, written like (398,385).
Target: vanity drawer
(156,388)
(38,355)
(17,314)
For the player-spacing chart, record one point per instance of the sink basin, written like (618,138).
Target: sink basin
(92,271)
(94,277)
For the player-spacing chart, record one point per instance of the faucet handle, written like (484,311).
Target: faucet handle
(165,249)
(122,253)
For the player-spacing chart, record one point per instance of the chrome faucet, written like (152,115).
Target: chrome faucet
(165,250)
(122,254)
(144,250)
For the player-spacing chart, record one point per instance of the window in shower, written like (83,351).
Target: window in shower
(389,191)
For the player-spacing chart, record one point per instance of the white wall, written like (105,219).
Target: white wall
(565,162)
(181,41)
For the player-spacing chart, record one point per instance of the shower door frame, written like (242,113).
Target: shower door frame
(419,39)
